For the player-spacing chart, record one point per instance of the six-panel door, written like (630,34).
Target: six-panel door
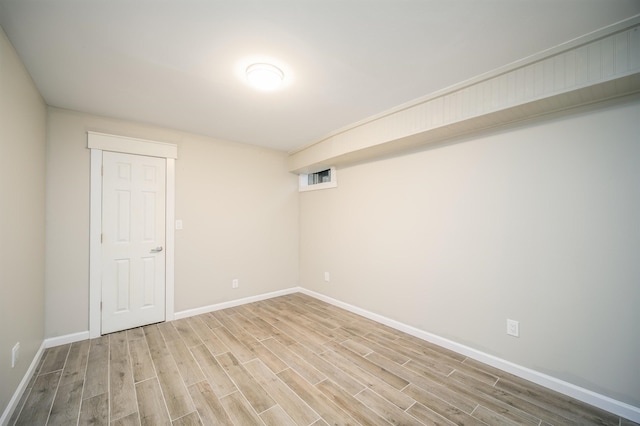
(133,239)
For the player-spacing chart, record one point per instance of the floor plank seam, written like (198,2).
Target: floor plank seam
(55,393)
(135,390)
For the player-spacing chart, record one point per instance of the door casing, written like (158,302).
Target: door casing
(97,143)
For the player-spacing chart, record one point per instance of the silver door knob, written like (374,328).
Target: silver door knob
(156,250)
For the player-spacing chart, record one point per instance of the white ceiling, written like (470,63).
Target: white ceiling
(179,63)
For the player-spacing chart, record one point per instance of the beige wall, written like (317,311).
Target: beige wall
(538,223)
(22,173)
(238,203)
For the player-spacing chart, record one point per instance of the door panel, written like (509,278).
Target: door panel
(122,284)
(133,238)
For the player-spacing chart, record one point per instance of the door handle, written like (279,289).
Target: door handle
(156,250)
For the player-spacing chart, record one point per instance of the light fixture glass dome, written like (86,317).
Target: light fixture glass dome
(264,76)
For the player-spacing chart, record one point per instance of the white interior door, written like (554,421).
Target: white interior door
(133,241)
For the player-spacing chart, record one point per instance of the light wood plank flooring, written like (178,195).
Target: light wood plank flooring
(291,360)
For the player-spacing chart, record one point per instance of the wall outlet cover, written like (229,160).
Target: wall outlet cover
(15,354)
(513,328)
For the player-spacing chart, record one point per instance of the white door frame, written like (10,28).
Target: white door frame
(97,143)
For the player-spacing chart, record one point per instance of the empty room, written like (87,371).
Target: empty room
(420,212)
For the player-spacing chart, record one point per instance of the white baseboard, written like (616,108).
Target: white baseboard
(13,403)
(83,335)
(230,304)
(585,395)
(47,343)
(67,338)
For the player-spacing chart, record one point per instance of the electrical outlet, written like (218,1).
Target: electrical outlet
(513,328)
(15,354)
(327,277)
(235,283)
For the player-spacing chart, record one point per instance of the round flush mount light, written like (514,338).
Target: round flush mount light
(263,76)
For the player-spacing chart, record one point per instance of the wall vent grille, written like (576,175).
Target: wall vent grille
(321,179)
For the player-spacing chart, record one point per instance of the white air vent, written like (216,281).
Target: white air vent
(321,179)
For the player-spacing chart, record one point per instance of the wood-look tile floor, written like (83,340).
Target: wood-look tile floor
(291,360)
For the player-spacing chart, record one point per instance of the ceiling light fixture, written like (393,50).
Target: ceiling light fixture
(264,76)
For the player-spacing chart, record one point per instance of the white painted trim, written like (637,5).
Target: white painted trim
(22,387)
(95,245)
(520,63)
(170,217)
(98,142)
(129,145)
(67,338)
(595,69)
(232,303)
(585,395)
